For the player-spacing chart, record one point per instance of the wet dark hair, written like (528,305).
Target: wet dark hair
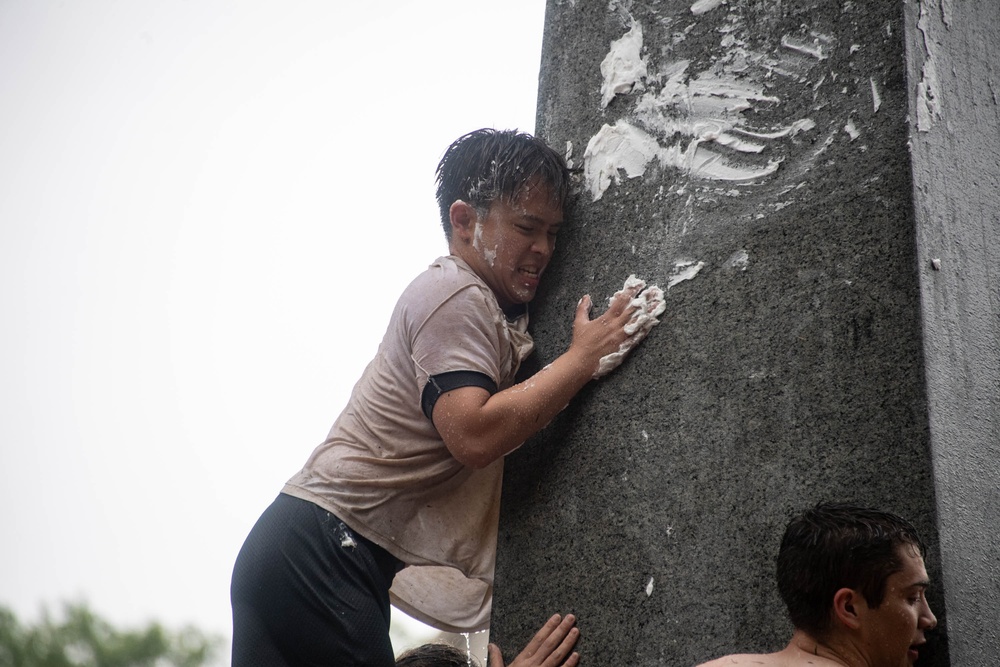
(486,165)
(834,546)
(436,655)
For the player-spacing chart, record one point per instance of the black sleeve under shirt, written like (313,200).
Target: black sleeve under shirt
(439,384)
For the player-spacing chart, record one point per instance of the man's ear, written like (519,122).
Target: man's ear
(848,606)
(463,218)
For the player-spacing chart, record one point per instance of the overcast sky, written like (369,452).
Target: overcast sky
(207,210)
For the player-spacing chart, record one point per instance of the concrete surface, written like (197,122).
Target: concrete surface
(816,354)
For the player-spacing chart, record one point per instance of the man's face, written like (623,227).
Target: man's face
(514,242)
(895,630)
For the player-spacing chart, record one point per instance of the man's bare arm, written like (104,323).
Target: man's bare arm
(479,428)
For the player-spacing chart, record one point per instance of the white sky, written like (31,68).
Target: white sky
(207,210)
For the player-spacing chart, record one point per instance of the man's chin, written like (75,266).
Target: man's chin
(524,295)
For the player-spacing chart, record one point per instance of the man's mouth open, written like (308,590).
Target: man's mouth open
(531,275)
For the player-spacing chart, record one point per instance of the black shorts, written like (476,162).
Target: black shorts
(307,590)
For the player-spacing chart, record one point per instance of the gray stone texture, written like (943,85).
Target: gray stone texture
(817,355)
(953,51)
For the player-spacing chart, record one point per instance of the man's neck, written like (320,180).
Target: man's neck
(825,653)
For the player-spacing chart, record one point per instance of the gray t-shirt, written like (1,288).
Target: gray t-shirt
(384,469)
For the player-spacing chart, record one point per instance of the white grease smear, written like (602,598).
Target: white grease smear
(703,6)
(624,147)
(649,587)
(802,125)
(826,144)
(684,270)
(876,98)
(649,305)
(928,107)
(800,55)
(477,242)
(623,68)
(739,260)
(706,107)
(706,96)
(729,141)
(927,103)
(814,48)
(477,237)
(621,146)
(704,163)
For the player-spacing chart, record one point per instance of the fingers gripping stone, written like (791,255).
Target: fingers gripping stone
(649,305)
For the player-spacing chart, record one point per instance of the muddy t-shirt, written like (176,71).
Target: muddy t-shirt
(384,469)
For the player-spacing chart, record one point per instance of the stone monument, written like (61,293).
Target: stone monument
(815,186)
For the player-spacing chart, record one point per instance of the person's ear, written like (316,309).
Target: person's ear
(463,218)
(848,606)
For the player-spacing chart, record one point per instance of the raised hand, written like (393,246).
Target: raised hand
(552,646)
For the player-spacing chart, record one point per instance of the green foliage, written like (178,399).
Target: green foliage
(82,639)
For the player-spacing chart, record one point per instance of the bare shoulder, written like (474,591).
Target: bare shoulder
(754,659)
(790,656)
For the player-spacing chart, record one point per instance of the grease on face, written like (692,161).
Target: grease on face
(490,255)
